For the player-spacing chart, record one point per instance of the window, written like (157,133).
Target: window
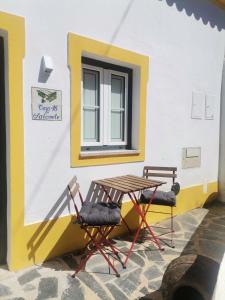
(126,142)
(106,106)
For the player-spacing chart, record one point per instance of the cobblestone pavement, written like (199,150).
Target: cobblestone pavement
(52,279)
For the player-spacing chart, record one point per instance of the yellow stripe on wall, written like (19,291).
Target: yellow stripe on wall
(45,240)
(14,28)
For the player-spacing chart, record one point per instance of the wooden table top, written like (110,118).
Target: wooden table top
(128,183)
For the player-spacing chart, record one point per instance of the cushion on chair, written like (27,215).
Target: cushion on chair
(99,214)
(175,188)
(160,198)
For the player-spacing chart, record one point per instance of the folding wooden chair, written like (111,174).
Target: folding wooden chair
(162,198)
(101,216)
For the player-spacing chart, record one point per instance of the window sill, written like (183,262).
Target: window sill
(89,154)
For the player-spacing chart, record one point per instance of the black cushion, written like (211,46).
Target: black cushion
(175,188)
(160,198)
(99,214)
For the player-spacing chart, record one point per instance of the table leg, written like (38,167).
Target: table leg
(136,206)
(143,216)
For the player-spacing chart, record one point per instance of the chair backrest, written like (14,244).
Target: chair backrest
(154,171)
(74,190)
(96,194)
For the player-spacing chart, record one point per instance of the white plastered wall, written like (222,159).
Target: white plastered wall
(222,140)
(186,55)
(219,290)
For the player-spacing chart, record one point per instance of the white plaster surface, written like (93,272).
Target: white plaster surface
(222,141)
(186,50)
(219,290)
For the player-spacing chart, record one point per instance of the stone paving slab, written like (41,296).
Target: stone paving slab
(52,279)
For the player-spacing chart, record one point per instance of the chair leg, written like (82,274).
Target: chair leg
(142,214)
(115,250)
(125,222)
(97,244)
(132,245)
(169,241)
(172,228)
(83,262)
(91,242)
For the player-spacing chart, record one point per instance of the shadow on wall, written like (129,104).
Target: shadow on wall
(205,10)
(51,239)
(43,230)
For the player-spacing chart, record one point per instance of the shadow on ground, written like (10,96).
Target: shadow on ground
(208,241)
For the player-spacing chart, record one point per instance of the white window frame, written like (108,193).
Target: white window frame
(101,103)
(125,75)
(105,107)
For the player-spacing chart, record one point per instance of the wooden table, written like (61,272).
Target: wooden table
(129,184)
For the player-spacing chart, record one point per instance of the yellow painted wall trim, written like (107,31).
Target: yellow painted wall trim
(14,28)
(48,239)
(78,45)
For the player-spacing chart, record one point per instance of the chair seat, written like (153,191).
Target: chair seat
(160,198)
(99,214)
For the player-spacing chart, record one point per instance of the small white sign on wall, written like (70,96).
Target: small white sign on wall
(209,106)
(191,157)
(46,104)
(198,105)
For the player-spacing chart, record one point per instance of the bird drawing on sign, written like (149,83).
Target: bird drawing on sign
(46,96)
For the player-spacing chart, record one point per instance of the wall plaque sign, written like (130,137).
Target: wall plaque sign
(46,104)
(198,104)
